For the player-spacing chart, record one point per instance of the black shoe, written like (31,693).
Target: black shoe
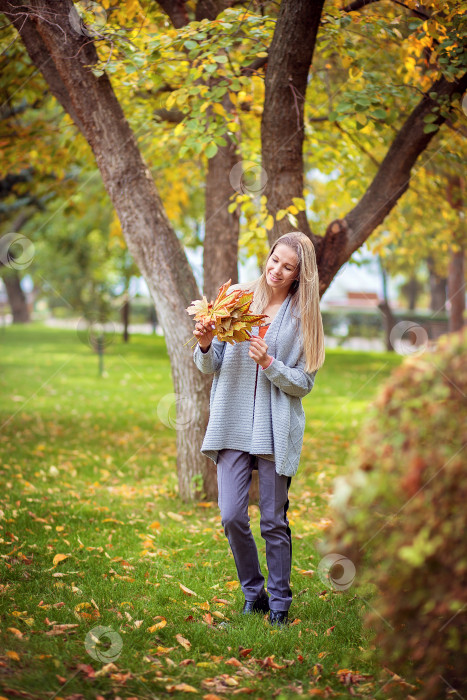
(261,604)
(278,617)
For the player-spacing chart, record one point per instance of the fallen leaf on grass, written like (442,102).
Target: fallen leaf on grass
(186,590)
(220,683)
(240,691)
(329,630)
(158,625)
(106,670)
(60,629)
(348,677)
(183,641)
(269,662)
(87,669)
(162,650)
(177,517)
(59,557)
(181,687)
(222,601)
(234,662)
(245,652)
(232,585)
(13,655)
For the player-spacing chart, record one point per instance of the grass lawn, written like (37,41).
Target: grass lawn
(88,472)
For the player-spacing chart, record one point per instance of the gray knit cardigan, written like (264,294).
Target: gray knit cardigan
(270,422)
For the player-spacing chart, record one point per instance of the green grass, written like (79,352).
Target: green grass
(88,470)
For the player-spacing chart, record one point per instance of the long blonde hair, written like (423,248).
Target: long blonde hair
(305,296)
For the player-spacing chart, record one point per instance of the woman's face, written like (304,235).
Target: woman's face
(281,267)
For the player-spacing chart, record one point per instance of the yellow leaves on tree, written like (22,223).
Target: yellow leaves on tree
(229,314)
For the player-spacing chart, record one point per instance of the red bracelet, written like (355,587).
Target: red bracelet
(272,359)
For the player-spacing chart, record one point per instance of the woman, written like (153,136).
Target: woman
(256,415)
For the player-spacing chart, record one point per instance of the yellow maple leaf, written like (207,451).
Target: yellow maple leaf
(229,314)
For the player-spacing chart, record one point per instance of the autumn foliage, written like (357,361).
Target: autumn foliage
(400,517)
(229,314)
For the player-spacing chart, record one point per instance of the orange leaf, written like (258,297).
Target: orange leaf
(158,625)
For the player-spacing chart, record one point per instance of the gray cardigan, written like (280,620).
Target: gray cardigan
(272,422)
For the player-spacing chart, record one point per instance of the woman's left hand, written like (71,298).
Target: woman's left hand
(258,351)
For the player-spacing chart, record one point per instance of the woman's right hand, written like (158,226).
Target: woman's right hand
(205,334)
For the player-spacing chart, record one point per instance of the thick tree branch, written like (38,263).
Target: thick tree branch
(359,4)
(346,235)
(41,58)
(176,11)
(282,128)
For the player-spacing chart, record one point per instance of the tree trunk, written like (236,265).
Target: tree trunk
(456,272)
(11,279)
(412,292)
(437,287)
(388,322)
(16,296)
(149,236)
(126,318)
(456,290)
(220,254)
(282,131)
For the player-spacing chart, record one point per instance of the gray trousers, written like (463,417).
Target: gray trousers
(234,471)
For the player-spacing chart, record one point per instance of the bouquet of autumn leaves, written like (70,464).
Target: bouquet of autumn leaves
(229,314)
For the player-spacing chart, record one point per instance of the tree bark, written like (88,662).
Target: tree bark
(125,312)
(12,280)
(456,290)
(456,272)
(45,28)
(437,287)
(16,296)
(282,128)
(220,256)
